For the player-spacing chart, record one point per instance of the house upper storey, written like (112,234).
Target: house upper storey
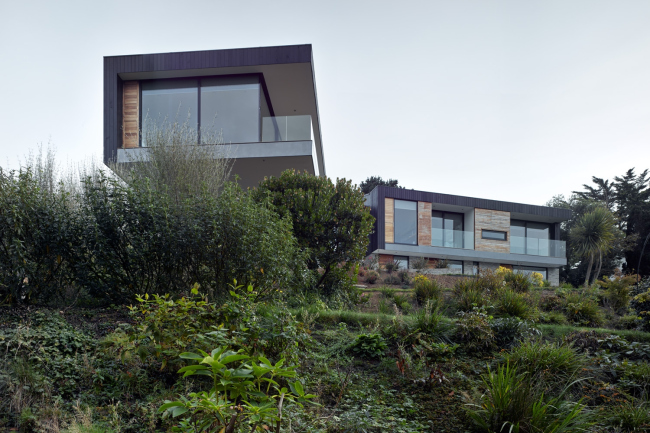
(256,105)
(428,224)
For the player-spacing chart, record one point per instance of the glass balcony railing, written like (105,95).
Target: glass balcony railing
(452,239)
(286,128)
(537,247)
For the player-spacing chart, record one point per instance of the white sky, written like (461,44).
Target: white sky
(509,100)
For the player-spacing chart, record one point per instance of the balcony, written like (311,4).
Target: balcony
(286,128)
(452,239)
(537,247)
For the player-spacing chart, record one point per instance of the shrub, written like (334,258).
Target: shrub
(404,277)
(391,279)
(630,416)
(372,277)
(510,330)
(318,208)
(392,266)
(240,395)
(512,403)
(628,321)
(635,377)
(362,272)
(509,303)
(553,317)
(469,294)
(489,281)
(618,290)
(425,289)
(369,345)
(581,309)
(372,262)
(474,331)
(429,320)
(518,281)
(551,363)
(641,304)
(420,264)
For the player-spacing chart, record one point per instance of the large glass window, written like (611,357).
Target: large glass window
(455,266)
(406,222)
(230,107)
(446,229)
(529,270)
(166,102)
(402,261)
(528,237)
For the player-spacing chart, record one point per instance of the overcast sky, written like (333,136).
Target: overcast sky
(509,100)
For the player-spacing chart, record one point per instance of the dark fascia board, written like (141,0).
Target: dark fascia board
(551,213)
(116,67)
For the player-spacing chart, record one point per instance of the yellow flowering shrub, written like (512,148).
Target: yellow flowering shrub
(538,279)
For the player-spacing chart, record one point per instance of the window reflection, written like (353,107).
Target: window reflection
(406,222)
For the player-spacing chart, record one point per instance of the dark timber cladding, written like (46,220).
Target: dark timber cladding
(113,66)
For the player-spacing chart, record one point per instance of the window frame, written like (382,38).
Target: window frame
(505,235)
(395,222)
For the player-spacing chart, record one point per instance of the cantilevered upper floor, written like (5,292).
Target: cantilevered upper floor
(257,105)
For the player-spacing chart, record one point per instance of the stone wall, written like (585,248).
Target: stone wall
(491,220)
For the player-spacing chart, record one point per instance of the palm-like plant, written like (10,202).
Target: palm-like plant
(593,235)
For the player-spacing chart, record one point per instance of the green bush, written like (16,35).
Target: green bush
(518,281)
(241,393)
(509,303)
(39,240)
(425,289)
(473,330)
(553,317)
(635,377)
(369,345)
(330,223)
(512,403)
(550,363)
(468,294)
(404,277)
(372,277)
(429,320)
(581,309)
(641,304)
(510,330)
(630,416)
(618,290)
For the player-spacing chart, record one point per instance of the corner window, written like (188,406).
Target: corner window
(406,222)
(494,235)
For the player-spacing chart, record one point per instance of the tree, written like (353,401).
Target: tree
(370,183)
(604,192)
(633,210)
(330,222)
(593,236)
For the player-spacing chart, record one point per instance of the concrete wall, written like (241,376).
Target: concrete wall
(553,276)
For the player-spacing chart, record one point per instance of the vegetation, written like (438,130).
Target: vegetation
(330,223)
(373,181)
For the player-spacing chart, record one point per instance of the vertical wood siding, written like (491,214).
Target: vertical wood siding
(130,114)
(390,220)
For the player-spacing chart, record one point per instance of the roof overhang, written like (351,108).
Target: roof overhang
(287,71)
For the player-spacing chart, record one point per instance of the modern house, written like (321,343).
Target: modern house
(256,105)
(466,234)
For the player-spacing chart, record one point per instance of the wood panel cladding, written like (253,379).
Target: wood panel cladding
(424,223)
(491,220)
(130,114)
(389,220)
(385,258)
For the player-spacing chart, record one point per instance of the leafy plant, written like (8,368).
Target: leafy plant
(372,277)
(369,345)
(518,281)
(630,416)
(509,303)
(512,404)
(245,391)
(404,276)
(469,294)
(425,289)
(618,290)
(510,330)
(318,209)
(392,266)
(420,264)
(581,309)
(474,331)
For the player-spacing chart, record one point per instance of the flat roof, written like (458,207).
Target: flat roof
(287,71)
(449,202)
